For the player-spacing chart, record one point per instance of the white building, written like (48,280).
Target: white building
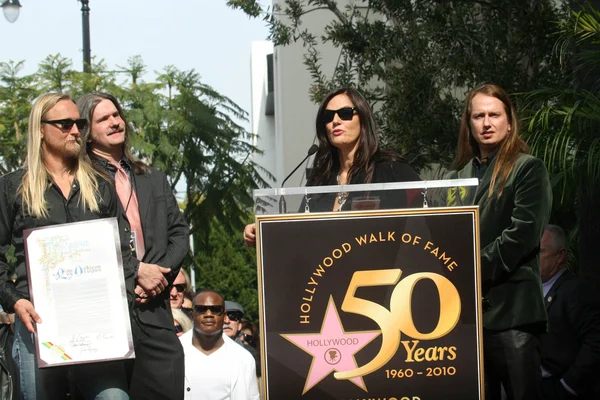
(283,116)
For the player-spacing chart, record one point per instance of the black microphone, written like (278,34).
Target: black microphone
(282,206)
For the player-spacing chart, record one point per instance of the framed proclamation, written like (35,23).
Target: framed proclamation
(371,305)
(77,287)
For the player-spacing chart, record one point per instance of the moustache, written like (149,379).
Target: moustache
(116,129)
(227,326)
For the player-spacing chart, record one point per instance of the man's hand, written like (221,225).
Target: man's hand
(151,278)
(27,314)
(250,235)
(141,297)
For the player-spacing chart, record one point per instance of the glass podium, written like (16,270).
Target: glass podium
(381,299)
(381,196)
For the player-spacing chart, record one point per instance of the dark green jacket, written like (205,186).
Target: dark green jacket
(511,228)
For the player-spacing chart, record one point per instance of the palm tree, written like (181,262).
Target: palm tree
(563,129)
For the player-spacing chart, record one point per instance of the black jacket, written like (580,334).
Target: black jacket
(166,236)
(571,347)
(385,171)
(60,210)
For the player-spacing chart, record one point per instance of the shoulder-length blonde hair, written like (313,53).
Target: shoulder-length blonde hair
(183,320)
(35,180)
(509,149)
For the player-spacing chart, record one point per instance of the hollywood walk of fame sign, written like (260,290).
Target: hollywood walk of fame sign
(371,305)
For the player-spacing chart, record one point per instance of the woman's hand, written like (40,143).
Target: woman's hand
(250,235)
(27,314)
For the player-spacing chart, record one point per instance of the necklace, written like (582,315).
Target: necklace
(342,196)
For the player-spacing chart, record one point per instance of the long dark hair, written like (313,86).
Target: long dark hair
(87,105)
(509,149)
(327,161)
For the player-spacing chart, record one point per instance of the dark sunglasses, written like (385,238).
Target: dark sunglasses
(215,310)
(67,124)
(178,328)
(180,287)
(247,337)
(234,315)
(345,114)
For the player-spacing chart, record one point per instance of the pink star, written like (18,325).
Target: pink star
(332,349)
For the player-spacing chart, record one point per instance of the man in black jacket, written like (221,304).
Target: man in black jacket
(571,348)
(159,236)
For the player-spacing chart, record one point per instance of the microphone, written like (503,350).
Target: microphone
(282,206)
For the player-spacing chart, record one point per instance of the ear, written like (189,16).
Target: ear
(562,255)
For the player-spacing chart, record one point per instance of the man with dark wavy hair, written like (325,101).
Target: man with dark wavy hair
(159,236)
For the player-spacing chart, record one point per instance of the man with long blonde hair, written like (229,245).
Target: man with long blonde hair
(515,199)
(55,186)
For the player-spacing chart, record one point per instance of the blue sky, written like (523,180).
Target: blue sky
(205,35)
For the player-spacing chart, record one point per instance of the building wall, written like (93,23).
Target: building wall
(263,125)
(287,137)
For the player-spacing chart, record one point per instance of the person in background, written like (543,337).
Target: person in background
(249,333)
(216,367)
(571,347)
(181,322)
(188,303)
(234,312)
(180,285)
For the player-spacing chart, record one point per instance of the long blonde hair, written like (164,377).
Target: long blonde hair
(35,180)
(510,148)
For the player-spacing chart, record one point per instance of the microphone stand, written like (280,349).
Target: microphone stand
(282,205)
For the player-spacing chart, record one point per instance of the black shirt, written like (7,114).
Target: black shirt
(60,210)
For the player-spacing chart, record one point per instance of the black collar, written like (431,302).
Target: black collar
(479,162)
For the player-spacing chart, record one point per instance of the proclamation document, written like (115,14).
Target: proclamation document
(77,287)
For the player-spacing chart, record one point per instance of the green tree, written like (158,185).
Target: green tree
(563,124)
(229,267)
(181,126)
(415,59)
(16,95)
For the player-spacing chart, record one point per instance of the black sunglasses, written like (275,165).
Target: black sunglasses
(345,114)
(247,337)
(234,315)
(215,310)
(180,287)
(67,123)
(178,328)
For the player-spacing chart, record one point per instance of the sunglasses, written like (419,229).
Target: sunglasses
(234,315)
(178,328)
(67,124)
(180,287)
(247,337)
(345,114)
(215,310)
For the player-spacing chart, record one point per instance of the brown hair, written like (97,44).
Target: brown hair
(327,159)
(509,149)
(87,105)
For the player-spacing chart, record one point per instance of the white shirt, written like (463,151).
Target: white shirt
(227,374)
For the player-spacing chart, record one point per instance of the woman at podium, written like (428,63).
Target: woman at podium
(348,153)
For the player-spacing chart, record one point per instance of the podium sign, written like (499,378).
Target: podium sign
(371,305)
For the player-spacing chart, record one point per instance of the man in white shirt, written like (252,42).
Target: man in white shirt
(216,368)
